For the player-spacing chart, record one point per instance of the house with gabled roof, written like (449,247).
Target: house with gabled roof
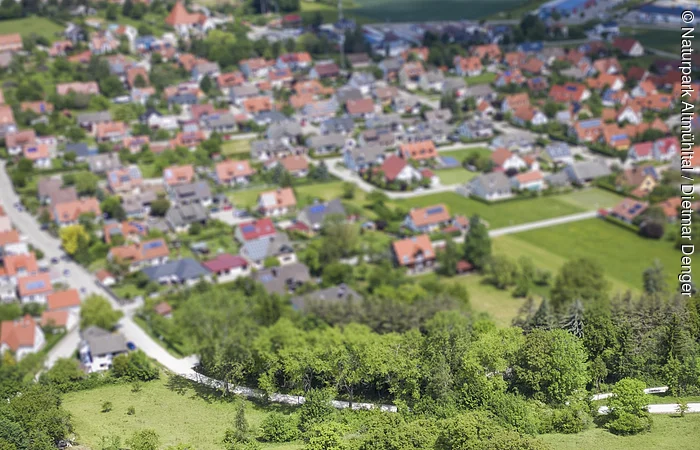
(185,271)
(507,77)
(175,175)
(234,172)
(666,148)
(628,46)
(415,253)
(257,229)
(488,51)
(128,230)
(141,254)
(397,169)
(428,219)
(514,101)
(507,160)
(363,157)
(278,202)
(569,92)
(587,130)
(313,216)
(629,209)
(185,22)
(468,66)
(124,180)
(491,186)
(22,336)
(418,151)
(528,181)
(34,288)
(641,151)
(278,246)
(68,213)
(227,268)
(66,300)
(16,266)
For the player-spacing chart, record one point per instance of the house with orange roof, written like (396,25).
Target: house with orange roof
(125,179)
(515,101)
(628,46)
(234,172)
(22,337)
(111,131)
(21,265)
(9,237)
(428,219)
(610,66)
(175,175)
(129,230)
(68,213)
(256,105)
(230,79)
(514,60)
(310,87)
(468,66)
(630,113)
(489,51)
(185,22)
(615,137)
(629,209)
(671,208)
(38,154)
(298,101)
(34,288)
(569,92)
(296,165)
(10,43)
(294,61)
(507,160)
(606,81)
(415,253)
(141,254)
(7,120)
(280,78)
(278,202)
(646,87)
(508,77)
(86,88)
(68,300)
(135,143)
(588,130)
(59,320)
(534,66)
(189,139)
(528,181)
(418,151)
(525,115)
(421,53)
(362,108)
(640,178)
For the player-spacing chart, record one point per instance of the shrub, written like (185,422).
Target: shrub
(107,407)
(277,427)
(131,410)
(569,421)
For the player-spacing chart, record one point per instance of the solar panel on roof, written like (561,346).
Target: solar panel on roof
(316,209)
(152,245)
(248,228)
(436,210)
(38,284)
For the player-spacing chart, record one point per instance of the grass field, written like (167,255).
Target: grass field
(484,78)
(668,433)
(667,40)
(622,254)
(37,25)
(457,175)
(462,153)
(178,414)
(236,147)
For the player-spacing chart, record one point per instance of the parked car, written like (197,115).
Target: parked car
(131,346)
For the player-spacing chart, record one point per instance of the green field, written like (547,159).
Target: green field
(462,153)
(484,78)
(500,305)
(622,254)
(667,40)
(668,433)
(455,176)
(236,147)
(38,25)
(177,413)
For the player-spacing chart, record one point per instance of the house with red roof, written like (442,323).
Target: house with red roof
(34,288)
(487,51)
(415,253)
(507,160)
(528,181)
(22,337)
(428,219)
(587,130)
(185,22)
(528,115)
(468,66)
(666,148)
(629,209)
(671,208)
(141,254)
(295,61)
(15,266)
(64,301)
(39,154)
(68,213)
(227,267)
(515,101)
(175,175)
(129,230)
(609,66)
(507,77)
(278,202)
(569,92)
(628,46)
(397,169)
(234,172)
(10,42)
(362,108)
(640,152)
(256,229)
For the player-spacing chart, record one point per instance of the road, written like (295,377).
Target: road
(543,224)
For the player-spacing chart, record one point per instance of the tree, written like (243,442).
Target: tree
(477,243)
(64,373)
(573,320)
(543,318)
(501,271)
(160,207)
(448,258)
(112,11)
(96,310)
(112,206)
(655,279)
(628,408)
(325,436)
(73,237)
(348,190)
(206,84)
(317,408)
(144,440)
(551,366)
(682,407)
(86,183)
(579,279)
(278,427)
(134,366)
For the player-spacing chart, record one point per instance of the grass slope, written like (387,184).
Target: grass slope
(178,414)
(668,433)
(37,25)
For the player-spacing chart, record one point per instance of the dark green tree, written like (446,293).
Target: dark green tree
(477,243)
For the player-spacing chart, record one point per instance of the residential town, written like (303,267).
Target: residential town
(199,150)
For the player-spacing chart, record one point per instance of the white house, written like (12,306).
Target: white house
(531,181)
(508,160)
(99,348)
(491,186)
(630,115)
(227,267)
(22,336)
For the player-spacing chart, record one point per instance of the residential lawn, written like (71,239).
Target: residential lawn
(498,215)
(667,433)
(623,254)
(500,305)
(592,198)
(246,198)
(484,78)
(236,147)
(37,25)
(457,175)
(173,409)
(461,153)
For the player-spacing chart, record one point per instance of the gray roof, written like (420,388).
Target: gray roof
(339,124)
(259,249)
(492,182)
(361,79)
(479,90)
(315,214)
(283,279)
(94,117)
(380,136)
(288,128)
(206,67)
(104,162)
(48,185)
(348,93)
(220,120)
(179,216)
(185,193)
(182,269)
(574,72)
(391,64)
(102,342)
(588,170)
(258,148)
(453,83)
(335,294)
(557,179)
(270,116)
(326,140)
(444,115)
(134,202)
(244,90)
(80,149)
(368,154)
(434,76)
(558,150)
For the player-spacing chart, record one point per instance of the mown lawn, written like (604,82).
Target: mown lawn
(484,78)
(38,25)
(457,175)
(622,254)
(667,40)
(236,147)
(462,153)
(174,410)
(667,433)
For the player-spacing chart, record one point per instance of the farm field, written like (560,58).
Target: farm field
(622,254)
(40,26)
(667,433)
(174,410)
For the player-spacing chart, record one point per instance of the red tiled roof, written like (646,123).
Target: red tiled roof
(257,229)
(63,299)
(430,215)
(18,333)
(407,250)
(225,261)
